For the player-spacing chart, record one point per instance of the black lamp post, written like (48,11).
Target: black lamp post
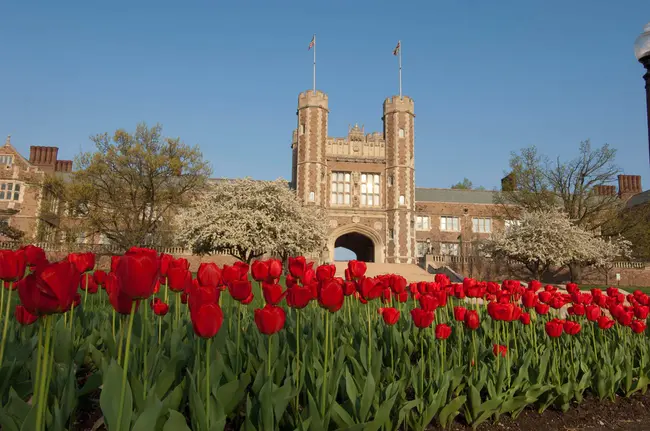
(642,53)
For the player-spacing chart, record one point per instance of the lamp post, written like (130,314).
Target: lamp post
(642,53)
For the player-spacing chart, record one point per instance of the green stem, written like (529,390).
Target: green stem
(43,379)
(145,340)
(2,295)
(159,330)
(121,343)
(324,390)
(207,381)
(369,339)
(5,325)
(238,334)
(39,364)
(113,327)
(126,367)
(268,358)
(86,292)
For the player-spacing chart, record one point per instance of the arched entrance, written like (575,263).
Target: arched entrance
(357,243)
(364,242)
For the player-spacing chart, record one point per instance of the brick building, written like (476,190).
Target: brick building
(366,182)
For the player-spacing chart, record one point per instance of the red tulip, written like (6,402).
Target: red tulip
(12,265)
(298,266)
(357,269)
(577,310)
(269,319)
(114,262)
(422,318)
(199,295)
(605,322)
(24,317)
(325,272)
(100,277)
(428,302)
(160,309)
(209,274)
(50,289)
(443,331)
(120,301)
(180,262)
(554,328)
(260,270)
(390,315)
(402,297)
(541,308)
(499,350)
(572,328)
(641,312)
(272,293)
(592,312)
(165,260)
(178,278)
(638,326)
(184,297)
(349,287)
(505,312)
(240,290)
(206,320)
(459,313)
(525,318)
(137,274)
(87,280)
(248,299)
(398,283)
(330,295)
(529,299)
(237,272)
(472,320)
(34,256)
(299,296)
(369,288)
(83,261)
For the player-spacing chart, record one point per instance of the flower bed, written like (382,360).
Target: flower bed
(234,348)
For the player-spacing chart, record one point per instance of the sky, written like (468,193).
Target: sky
(487,77)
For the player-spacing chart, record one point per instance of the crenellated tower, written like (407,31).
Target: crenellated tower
(309,167)
(400,173)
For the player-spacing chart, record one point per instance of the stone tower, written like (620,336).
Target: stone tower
(309,170)
(400,173)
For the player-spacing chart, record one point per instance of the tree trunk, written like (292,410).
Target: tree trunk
(575,270)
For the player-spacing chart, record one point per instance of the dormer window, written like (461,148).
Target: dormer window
(6,160)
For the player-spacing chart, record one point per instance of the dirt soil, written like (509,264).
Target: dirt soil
(625,414)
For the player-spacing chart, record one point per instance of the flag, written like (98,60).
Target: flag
(312,43)
(397,48)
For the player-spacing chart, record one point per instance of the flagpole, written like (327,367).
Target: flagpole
(399,43)
(314,63)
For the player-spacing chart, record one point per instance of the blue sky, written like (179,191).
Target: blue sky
(487,77)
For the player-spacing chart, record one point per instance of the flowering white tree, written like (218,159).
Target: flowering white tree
(546,238)
(248,218)
(609,251)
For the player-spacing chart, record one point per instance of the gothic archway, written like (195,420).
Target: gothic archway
(361,240)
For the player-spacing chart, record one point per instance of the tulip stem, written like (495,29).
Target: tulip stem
(145,335)
(268,357)
(37,375)
(86,292)
(297,379)
(160,329)
(324,390)
(126,367)
(207,381)
(5,325)
(2,296)
(369,339)
(43,378)
(238,334)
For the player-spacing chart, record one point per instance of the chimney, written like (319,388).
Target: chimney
(629,185)
(604,190)
(508,183)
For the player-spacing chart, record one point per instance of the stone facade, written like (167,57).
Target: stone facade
(26,202)
(403,223)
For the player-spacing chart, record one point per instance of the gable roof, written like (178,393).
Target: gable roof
(638,199)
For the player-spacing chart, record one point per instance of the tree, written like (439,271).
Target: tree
(546,238)
(133,184)
(248,218)
(537,183)
(608,251)
(466,184)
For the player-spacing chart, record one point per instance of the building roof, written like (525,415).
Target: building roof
(638,199)
(455,196)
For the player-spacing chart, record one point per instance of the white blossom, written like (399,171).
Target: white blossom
(247,218)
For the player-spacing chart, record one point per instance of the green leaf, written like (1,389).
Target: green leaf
(368,396)
(341,416)
(176,422)
(6,423)
(92,384)
(147,420)
(109,399)
(449,412)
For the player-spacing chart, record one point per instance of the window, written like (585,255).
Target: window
(6,160)
(449,224)
(340,188)
(312,196)
(510,223)
(449,249)
(482,225)
(422,223)
(370,190)
(401,199)
(422,248)
(390,181)
(302,129)
(401,133)
(10,191)
(391,234)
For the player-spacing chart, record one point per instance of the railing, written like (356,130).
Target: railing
(449,259)
(99,248)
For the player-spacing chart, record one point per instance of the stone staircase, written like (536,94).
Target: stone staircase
(412,273)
